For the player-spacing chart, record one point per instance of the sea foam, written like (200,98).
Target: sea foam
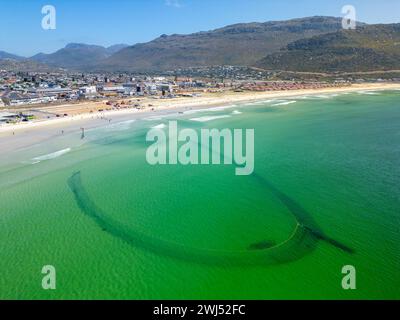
(120,126)
(368,92)
(283,103)
(210,118)
(51,156)
(160,126)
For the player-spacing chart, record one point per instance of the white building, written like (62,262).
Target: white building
(119,89)
(151,88)
(47,91)
(159,78)
(18,99)
(88,91)
(164,87)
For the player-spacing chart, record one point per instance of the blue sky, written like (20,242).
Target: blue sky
(107,22)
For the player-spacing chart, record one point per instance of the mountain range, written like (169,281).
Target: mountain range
(24,65)
(77,55)
(372,47)
(311,44)
(6,55)
(239,44)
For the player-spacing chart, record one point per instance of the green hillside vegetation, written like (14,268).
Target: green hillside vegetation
(240,44)
(368,48)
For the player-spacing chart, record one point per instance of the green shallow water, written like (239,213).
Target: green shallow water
(325,193)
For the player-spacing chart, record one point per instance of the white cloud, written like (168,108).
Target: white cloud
(173,3)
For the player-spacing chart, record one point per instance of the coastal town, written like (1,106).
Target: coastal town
(26,96)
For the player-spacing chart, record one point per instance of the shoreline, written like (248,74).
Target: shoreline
(218,100)
(19,136)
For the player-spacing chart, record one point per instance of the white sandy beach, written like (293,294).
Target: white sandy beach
(16,136)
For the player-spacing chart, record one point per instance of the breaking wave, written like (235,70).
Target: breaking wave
(160,126)
(283,103)
(50,156)
(372,93)
(120,126)
(209,118)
